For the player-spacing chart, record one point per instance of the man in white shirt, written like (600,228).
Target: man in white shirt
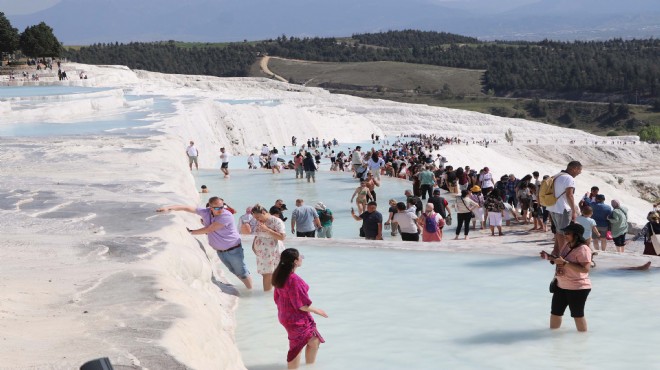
(192,153)
(356,159)
(224,158)
(251,162)
(564,211)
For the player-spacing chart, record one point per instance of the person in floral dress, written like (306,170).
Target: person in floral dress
(268,243)
(294,309)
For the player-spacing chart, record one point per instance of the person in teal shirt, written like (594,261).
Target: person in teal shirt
(426,181)
(326,218)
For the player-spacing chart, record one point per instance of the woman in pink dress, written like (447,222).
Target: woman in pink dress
(428,221)
(268,243)
(294,309)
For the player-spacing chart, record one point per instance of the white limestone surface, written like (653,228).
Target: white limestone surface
(89,270)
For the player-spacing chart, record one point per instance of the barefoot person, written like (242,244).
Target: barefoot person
(224,159)
(222,234)
(268,244)
(294,309)
(192,154)
(572,265)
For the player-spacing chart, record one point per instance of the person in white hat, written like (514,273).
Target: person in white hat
(326,218)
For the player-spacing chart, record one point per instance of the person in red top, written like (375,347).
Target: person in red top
(572,265)
(294,309)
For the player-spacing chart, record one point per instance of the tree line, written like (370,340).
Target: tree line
(628,68)
(35,41)
(234,60)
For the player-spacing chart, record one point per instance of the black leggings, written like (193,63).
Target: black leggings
(463,218)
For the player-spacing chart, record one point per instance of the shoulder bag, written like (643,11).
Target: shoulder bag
(553,284)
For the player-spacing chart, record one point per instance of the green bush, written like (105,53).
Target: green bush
(612,133)
(651,133)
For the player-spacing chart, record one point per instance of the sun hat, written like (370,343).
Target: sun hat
(320,206)
(575,229)
(476,189)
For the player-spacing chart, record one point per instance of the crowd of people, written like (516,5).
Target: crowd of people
(476,197)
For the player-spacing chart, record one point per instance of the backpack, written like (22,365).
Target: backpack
(547,191)
(430,225)
(324,216)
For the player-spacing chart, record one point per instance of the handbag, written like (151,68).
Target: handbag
(448,220)
(608,235)
(553,285)
(471,213)
(655,240)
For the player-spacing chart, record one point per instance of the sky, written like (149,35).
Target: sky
(25,6)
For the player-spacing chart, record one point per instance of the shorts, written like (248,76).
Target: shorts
(224,165)
(299,171)
(602,231)
(311,175)
(192,160)
(561,220)
(234,260)
(573,299)
(306,234)
(409,237)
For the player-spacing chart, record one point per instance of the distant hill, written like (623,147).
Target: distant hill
(379,76)
(82,22)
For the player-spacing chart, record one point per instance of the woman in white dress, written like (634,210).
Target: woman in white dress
(268,243)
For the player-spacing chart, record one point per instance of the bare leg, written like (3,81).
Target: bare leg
(248,282)
(640,268)
(268,284)
(499,230)
(311,350)
(581,324)
(295,363)
(492,230)
(555,322)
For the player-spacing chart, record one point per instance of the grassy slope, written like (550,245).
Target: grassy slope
(392,76)
(466,86)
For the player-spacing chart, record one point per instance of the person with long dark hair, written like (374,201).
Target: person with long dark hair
(294,309)
(464,208)
(572,264)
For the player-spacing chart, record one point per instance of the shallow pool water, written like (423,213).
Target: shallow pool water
(248,187)
(443,309)
(391,309)
(40,111)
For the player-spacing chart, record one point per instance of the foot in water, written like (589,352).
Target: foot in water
(643,267)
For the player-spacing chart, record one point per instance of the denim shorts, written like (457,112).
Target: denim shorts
(235,262)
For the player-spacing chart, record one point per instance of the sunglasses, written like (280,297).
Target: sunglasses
(217,208)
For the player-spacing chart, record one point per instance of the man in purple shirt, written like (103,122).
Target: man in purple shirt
(223,236)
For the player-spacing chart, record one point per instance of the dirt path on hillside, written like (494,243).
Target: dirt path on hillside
(264,68)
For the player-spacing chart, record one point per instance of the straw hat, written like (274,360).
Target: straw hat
(475,189)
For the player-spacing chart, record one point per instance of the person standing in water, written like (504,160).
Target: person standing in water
(222,235)
(572,265)
(294,309)
(268,243)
